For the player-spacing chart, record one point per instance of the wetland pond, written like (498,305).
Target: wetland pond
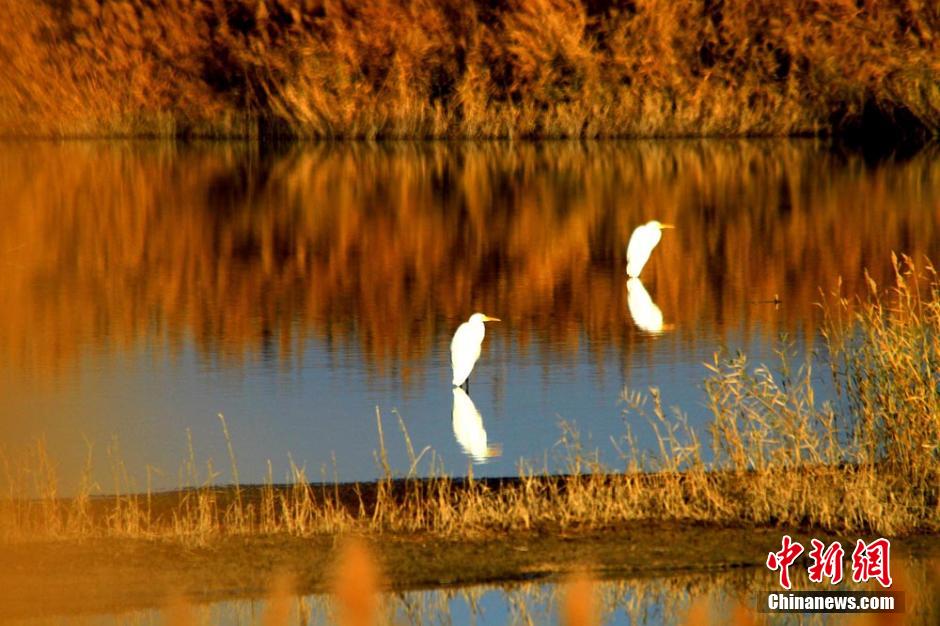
(300,289)
(148,287)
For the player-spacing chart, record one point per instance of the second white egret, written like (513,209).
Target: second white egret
(466,345)
(642,242)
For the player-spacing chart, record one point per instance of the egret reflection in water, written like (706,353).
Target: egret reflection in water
(469,431)
(646,315)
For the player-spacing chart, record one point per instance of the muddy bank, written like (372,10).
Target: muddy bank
(109,575)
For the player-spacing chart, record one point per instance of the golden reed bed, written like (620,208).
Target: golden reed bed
(431,68)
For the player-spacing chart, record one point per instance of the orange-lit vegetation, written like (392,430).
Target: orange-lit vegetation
(388,247)
(578,609)
(427,68)
(356,585)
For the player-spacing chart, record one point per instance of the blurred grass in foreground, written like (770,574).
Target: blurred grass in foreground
(577,600)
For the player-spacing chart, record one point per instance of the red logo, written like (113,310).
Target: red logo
(869,561)
(783,559)
(872,560)
(826,563)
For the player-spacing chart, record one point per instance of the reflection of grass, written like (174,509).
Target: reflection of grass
(870,463)
(423,68)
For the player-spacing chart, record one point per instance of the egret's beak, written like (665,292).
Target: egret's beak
(487,318)
(662,226)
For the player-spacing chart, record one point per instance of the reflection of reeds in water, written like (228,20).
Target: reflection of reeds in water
(107,247)
(868,462)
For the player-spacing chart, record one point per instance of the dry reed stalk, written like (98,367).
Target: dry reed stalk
(239,509)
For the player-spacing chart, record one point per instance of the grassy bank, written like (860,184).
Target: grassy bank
(422,68)
(867,463)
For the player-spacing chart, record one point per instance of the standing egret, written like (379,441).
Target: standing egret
(465,346)
(642,242)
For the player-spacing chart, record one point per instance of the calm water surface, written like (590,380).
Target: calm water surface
(148,287)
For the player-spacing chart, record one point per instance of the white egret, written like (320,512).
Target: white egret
(468,429)
(642,242)
(646,315)
(466,344)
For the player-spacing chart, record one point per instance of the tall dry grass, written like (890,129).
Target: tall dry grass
(869,464)
(423,68)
